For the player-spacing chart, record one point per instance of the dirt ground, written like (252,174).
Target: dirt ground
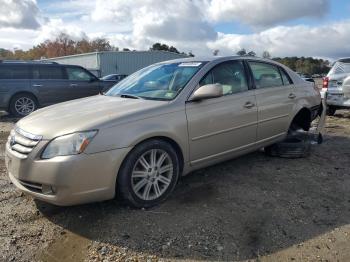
(255,208)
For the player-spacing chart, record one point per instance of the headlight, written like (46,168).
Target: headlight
(71,144)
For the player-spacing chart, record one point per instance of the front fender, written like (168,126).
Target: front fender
(172,125)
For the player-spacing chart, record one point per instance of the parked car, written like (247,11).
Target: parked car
(162,122)
(26,86)
(115,78)
(306,77)
(337,86)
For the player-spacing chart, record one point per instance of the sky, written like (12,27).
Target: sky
(318,28)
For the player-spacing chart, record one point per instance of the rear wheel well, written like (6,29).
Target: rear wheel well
(302,119)
(24,93)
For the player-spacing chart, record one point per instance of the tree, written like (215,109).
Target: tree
(242,52)
(251,53)
(61,46)
(102,44)
(266,55)
(163,47)
(216,52)
(190,54)
(5,54)
(305,65)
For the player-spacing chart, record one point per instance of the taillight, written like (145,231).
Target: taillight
(325,82)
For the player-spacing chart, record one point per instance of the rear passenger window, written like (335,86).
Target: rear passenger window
(14,72)
(265,75)
(231,75)
(47,72)
(286,79)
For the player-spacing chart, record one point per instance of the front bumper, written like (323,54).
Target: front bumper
(67,180)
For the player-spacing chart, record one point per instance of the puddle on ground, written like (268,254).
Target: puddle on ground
(68,247)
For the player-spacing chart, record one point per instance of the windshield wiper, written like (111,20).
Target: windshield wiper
(130,96)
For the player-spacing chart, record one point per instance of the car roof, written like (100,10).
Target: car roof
(34,63)
(344,60)
(218,59)
(26,62)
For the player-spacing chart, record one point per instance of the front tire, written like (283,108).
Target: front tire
(22,105)
(149,174)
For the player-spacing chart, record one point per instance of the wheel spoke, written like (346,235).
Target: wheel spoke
(161,159)
(139,174)
(147,191)
(166,168)
(153,157)
(164,180)
(156,189)
(144,162)
(140,185)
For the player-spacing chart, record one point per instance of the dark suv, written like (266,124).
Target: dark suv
(25,86)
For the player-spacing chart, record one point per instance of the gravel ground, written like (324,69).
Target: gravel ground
(252,208)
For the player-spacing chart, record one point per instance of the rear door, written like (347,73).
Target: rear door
(49,83)
(81,82)
(275,99)
(226,125)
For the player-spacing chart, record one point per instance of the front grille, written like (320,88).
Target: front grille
(21,143)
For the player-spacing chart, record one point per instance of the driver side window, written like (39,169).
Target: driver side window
(78,74)
(231,75)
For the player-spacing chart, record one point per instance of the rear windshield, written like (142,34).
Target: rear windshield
(340,68)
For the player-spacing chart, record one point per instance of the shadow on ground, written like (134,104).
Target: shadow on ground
(248,207)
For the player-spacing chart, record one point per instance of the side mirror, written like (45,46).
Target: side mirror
(207,91)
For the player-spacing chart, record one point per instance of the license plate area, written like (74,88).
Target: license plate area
(334,97)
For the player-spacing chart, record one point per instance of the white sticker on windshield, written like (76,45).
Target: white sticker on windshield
(193,64)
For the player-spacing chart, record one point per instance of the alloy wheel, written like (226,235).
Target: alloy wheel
(24,106)
(152,174)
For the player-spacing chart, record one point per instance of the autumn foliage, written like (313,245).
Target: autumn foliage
(63,45)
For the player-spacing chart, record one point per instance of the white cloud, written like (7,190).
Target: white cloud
(54,27)
(175,20)
(11,38)
(187,25)
(324,41)
(264,13)
(19,14)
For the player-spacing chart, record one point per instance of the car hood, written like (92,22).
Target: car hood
(85,114)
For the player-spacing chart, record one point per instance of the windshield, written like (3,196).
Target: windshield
(157,82)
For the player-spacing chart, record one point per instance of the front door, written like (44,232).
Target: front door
(222,126)
(82,83)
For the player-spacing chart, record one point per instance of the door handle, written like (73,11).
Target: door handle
(37,85)
(249,105)
(291,96)
(73,85)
